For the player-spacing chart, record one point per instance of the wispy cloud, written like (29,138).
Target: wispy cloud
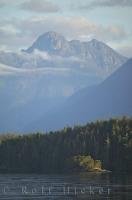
(9,70)
(105,3)
(54,58)
(44,6)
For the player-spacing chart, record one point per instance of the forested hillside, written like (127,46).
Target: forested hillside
(108,141)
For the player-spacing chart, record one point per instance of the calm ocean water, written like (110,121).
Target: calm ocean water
(68,187)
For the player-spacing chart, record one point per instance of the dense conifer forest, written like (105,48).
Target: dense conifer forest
(103,144)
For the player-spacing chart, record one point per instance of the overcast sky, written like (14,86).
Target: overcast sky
(22,21)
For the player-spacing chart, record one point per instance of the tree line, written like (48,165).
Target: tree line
(107,142)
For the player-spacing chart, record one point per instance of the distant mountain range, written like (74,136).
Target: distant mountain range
(94,54)
(38,80)
(53,50)
(111,98)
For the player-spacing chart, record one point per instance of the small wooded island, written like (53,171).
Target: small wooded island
(85,163)
(96,146)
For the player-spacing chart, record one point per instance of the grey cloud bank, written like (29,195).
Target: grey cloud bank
(106,3)
(40,6)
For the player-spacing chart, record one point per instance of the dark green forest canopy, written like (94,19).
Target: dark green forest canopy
(109,141)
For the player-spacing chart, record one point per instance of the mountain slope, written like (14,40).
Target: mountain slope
(111,98)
